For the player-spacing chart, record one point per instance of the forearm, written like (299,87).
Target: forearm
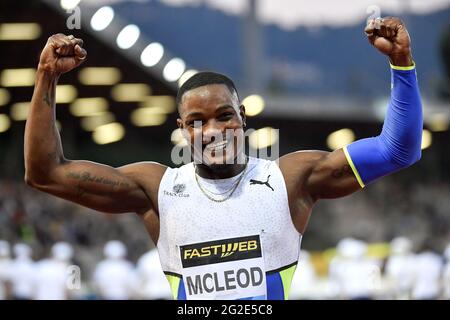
(43,150)
(399,144)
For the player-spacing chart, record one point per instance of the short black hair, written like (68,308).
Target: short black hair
(204,78)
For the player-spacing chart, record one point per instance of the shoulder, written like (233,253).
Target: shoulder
(144,167)
(144,173)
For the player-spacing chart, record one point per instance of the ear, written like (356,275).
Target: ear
(180,123)
(242,114)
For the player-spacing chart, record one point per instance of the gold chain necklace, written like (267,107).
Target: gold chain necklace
(231,191)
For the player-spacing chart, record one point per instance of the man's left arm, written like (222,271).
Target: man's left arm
(344,171)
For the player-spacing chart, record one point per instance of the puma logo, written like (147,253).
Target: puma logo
(252,181)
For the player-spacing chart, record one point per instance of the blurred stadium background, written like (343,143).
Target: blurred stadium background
(303,67)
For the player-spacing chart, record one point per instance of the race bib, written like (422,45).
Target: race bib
(225,269)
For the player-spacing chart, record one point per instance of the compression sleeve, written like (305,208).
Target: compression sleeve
(399,144)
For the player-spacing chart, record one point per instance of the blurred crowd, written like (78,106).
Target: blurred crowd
(351,274)
(354,274)
(54,249)
(57,278)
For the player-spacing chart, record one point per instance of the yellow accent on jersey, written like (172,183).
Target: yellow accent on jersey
(350,162)
(174,283)
(286,277)
(403,68)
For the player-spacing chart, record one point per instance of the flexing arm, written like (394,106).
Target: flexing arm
(90,184)
(344,171)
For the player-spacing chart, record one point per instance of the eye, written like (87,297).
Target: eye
(191,123)
(226,116)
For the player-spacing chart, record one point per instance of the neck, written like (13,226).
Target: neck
(221,171)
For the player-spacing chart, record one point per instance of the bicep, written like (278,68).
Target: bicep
(97,186)
(332,176)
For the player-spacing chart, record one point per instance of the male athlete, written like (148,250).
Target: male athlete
(224,231)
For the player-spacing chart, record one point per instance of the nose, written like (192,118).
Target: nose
(212,131)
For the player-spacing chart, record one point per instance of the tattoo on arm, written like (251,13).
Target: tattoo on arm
(344,171)
(47,99)
(86,176)
(49,96)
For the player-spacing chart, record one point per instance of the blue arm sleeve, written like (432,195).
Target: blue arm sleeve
(399,144)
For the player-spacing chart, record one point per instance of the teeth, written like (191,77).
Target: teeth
(217,146)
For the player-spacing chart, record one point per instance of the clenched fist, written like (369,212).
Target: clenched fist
(61,54)
(390,37)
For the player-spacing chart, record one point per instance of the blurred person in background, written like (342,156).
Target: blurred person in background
(428,266)
(399,269)
(304,282)
(51,274)
(353,273)
(153,284)
(446,274)
(115,277)
(23,272)
(5,270)
(222,197)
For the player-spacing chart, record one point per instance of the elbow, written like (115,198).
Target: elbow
(29,180)
(33,180)
(411,159)
(416,157)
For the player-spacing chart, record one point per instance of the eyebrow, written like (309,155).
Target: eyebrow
(194,114)
(219,109)
(224,107)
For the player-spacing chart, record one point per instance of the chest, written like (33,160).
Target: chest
(259,206)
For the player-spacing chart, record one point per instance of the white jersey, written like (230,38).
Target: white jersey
(400,274)
(22,277)
(51,280)
(243,248)
(153,283)
(428,267)
(115,279)
(5,276)
(446,281)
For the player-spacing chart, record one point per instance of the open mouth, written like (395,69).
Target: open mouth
(216,146)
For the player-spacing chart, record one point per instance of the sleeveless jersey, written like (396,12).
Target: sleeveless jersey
(243,248)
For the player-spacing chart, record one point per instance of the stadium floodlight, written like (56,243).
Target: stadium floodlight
(69,4)
(5,123)
(165,103)
(20,31)
(65,93)
(19,111)
(427,139)
(152,54)
(189,73)
(108,133)
(99,76)
(102,18)
(18,77)
(95,120)
(254,105)
(438,122)
(83,107)
(340,138)
(145,117)
(263,138)
(128,36)
(174,69)
(4,96)
(130,92)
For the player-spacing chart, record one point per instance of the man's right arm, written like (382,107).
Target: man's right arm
(93,185)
